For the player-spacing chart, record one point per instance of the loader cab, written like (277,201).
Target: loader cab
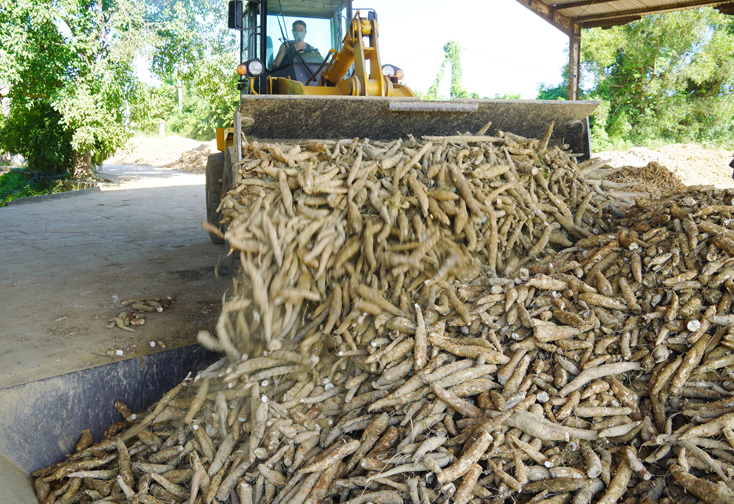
(268,24)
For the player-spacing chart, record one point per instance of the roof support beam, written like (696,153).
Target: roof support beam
(581,3)
(551,15)
(612,22)
(587,21)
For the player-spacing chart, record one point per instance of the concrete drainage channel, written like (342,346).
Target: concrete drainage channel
(41,421)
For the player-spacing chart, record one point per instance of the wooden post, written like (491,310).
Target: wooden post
(574,62)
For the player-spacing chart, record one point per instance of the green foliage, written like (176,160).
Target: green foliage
(39,135)
(188,33)
(20,184)
(11,182)
(197,119)
(663,78)
(549,92)
(194,46)
(508,96)
(216,82)
(602,137)
(76,58)
(74,87)
(452,55)
(207,104)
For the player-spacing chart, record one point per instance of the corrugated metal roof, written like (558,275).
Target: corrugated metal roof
(571,15)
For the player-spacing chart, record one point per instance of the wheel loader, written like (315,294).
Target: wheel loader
(332,84)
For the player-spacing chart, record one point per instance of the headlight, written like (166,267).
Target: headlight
(252,68)
(392,71)
(255,67)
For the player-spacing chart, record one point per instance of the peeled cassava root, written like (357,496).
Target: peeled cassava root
(393,358)
(135,316)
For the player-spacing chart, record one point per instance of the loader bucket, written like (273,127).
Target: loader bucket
(41,421)
(378,118)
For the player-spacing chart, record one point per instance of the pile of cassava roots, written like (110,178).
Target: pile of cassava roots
(447,319)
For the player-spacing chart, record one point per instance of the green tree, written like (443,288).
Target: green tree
(665,77)
(452,56)
(557,92)
(597,121)
(70,63)
(39,134)
(194,47)
(508,96)
(188,32)
(550,92)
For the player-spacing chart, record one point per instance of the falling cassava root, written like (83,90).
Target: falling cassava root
(452,319)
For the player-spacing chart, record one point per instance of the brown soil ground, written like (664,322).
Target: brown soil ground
(194,160)
(652,178)
(178,153)
(671,166)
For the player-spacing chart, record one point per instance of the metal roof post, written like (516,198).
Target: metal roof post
(574,62)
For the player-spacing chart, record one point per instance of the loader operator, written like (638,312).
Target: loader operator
(288,50)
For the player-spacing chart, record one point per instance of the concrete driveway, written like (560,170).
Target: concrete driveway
(67,264)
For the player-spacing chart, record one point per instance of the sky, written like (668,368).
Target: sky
(506,48)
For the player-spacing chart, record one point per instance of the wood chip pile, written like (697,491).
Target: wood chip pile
(452,319)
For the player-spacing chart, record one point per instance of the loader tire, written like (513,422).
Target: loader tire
(214,175)
(228,171)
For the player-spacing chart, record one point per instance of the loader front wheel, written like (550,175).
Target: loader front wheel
(214,176)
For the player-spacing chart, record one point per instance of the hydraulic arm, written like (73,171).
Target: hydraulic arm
(360,48)
(367,78)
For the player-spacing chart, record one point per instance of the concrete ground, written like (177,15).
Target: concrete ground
(67,264)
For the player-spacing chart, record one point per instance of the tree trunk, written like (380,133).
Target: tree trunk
(81,164)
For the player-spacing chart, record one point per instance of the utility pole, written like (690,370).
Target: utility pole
(4,100)
(180,96)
